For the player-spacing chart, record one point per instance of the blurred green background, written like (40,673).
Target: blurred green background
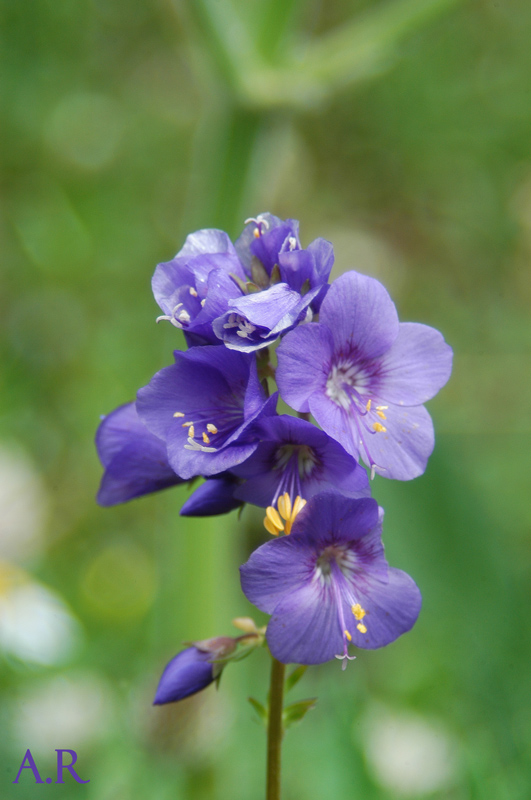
(401,131)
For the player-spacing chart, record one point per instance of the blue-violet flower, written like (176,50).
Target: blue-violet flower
(328,584)
(364,376)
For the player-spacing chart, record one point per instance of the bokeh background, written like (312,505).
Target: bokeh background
(399,130)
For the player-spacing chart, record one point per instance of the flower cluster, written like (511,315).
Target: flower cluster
(343,359)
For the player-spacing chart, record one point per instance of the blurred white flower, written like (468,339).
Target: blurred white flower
(409,754)
(68,710)
(23,506)
(35,624)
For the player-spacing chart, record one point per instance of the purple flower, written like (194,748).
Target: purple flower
(364,376)
(203,407)
(214,496)
(193,669)
(328,584)
(194,287)
(292,283)
(135,460)
(296,457)
(255,320)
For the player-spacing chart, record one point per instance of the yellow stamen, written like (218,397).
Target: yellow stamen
(191,431)
(298,505)
(379,428)
(272,514)
(284,506)
(361,627)
(178,414)
(347,634)
(187,424)
(368,406)
(283,519)
(358,611)
(211,428)
(192,291)
(382,408)
(205,438)
(270,528)
(381,415)
(256,233)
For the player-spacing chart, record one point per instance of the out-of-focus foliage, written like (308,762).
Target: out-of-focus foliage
(401,132)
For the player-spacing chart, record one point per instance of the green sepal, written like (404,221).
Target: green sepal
(241,283)
(275,275)
(295,676)
(305,288)
(260,710)
(252,288)
(259,273)
(238,655)
(296,711)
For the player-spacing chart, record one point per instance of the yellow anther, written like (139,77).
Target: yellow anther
(192,291)
(381,415)
(358,611)
(256,233)
(368,406)
(347,634)
(361,627)
(205,438)
(203,301)
(382,408)
(270,528)
(178,414)
(298,505)
(272,514)
(187,424)
(191,431)
(284,506)
(379,428)
(211,428)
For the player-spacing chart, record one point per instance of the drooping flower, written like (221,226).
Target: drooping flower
(134,459)
(214,496)
(364,376)
(194,287)
(296,458)
(203,406)
(287,285)
(328,584)
(193,669)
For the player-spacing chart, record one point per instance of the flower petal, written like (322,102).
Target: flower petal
(416,366)
(214,496)
(401,451)
(304,627)
(391,609)
(360,314)
(274,570)
(303,364)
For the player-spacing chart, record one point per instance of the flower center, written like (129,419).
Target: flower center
(304,458)
(338,554)
(345,375)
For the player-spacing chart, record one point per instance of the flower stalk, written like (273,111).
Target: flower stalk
(275,730)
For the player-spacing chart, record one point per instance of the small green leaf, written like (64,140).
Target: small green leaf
(275,275)
(241,283)
(260,710)
(295,712)
(295,676)
(259,273)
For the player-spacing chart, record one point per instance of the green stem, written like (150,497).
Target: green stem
(275,729)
